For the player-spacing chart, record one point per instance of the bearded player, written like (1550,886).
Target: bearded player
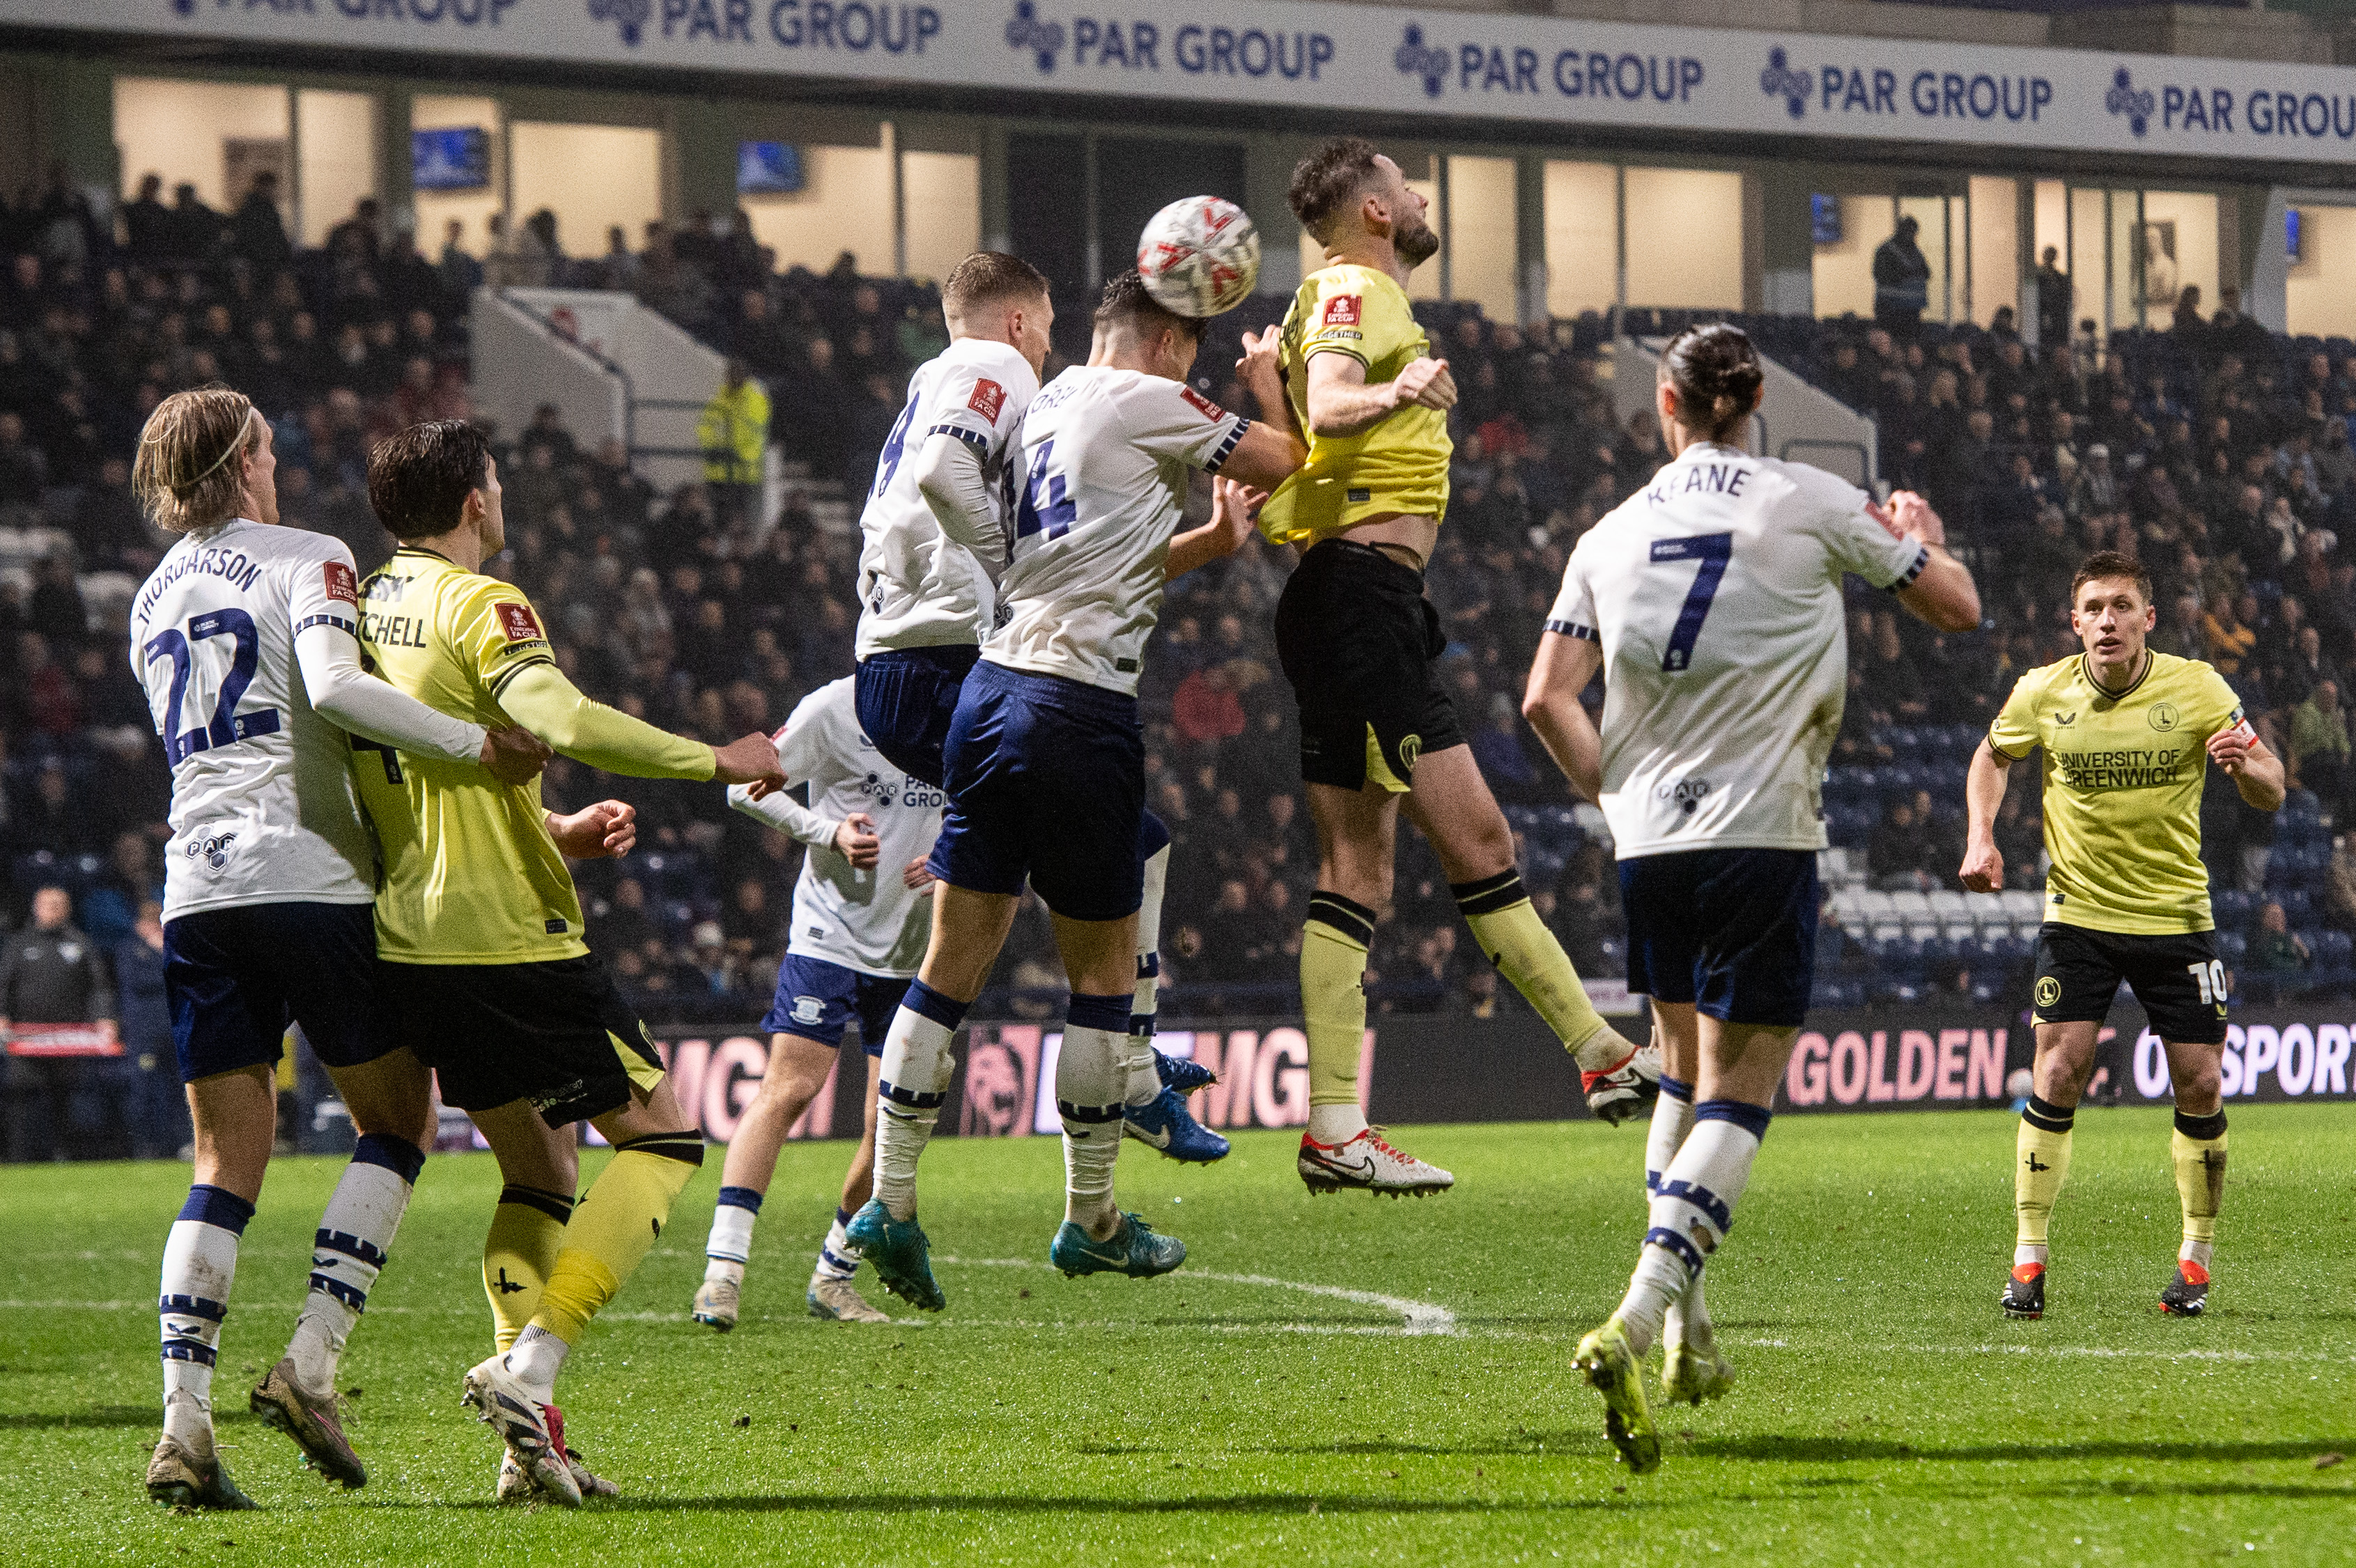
(1359,639)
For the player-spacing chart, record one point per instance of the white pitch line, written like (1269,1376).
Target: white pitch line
(1420,1316)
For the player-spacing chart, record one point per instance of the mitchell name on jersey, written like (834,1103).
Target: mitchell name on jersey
(918,587)
(1716,592)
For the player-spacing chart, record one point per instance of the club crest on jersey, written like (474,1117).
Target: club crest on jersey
(518,622)
(2163,716)
(808,1010)
(342,583)
(988,398)
(1342,310)
(215,849)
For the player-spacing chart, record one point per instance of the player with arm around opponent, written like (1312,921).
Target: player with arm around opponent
(479,929)
(861,917)
(1711,603)
(2128,734)
(937,534)
(1045,762)
(243,638)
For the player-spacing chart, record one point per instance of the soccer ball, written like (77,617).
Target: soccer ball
(1199,256)
(2021,1083)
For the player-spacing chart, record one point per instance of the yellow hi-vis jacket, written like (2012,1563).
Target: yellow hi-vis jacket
(732,430)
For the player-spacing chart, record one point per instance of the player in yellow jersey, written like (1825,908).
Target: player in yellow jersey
(1359,639)
(480,934)
(2128,736)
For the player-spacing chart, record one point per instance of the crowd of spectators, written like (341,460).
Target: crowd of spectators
(2215,451)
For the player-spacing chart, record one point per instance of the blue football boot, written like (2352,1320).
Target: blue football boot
(1178,1073)
(1164,1123)
(1136,1250)
(900,1256)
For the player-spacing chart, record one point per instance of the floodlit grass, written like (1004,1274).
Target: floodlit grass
(1231,1413)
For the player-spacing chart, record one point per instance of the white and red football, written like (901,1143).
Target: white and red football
(1199,256)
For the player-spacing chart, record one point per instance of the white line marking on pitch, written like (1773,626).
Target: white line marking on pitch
(1419,1317)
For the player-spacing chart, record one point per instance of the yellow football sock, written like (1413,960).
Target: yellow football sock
(526,1230)
(1517,940)
(613,1225)
(2042,1165)
(2197,1149)
(1333,994)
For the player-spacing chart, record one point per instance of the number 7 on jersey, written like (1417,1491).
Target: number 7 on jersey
(1713,552)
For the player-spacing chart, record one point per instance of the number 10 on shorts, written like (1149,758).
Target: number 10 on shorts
(2211,978)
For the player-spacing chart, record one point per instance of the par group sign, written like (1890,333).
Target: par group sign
(1346,58)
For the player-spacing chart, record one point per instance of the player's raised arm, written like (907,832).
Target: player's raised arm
(1233,508)
(2251,764)
(543,700)
(1942,592)
(1343,403)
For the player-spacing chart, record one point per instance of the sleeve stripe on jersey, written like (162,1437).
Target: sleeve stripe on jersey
(307,622)
(1573,629)
(971,438)
(1312,348)
(1906,578)
(507,675)
(1226,447)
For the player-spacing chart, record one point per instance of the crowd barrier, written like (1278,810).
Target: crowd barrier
(1904,1056)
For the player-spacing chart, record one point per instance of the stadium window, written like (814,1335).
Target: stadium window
(1842,272)
(1481,234)
(941,195)
(335,150)
(2319,290)
(593,177)
(1685,233)
(1582,237)
(213,135)
(845,204)
(470,206)
(1994,249)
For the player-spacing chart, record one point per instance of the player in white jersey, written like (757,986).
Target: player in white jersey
(1044,762)
(243,636)
(859,920)
(1711,600)
(936,534)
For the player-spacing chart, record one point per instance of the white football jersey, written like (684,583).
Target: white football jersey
(1716,592)
(869,920)
(918,587)
(1105,462)
(262,806)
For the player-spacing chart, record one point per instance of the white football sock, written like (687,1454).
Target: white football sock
(913,1081)
(1088,1092)
(2031,1253)
(1333,1125)
(1673,1118)
(1142,1077)
(355,1235)
(2200,1252)
(199,1266)
(537,1358)
(729,1244)
(1691,1212)
(838,1256)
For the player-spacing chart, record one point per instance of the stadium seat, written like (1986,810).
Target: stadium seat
(2024,906)
(1987,911)
(1912,906)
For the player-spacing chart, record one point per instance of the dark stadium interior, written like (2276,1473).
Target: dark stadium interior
(2217,452)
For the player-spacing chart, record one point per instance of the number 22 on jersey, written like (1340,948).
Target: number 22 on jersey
(226,726)
(1713,552)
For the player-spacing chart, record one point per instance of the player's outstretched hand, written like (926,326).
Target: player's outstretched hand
(1908,517)
(1983,869)
(1426,383)
(1260,356)
(855,841)
(749,760)
(606,831)
(513,755)
(918,875)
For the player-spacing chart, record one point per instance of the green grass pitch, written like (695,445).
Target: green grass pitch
(1270,1403)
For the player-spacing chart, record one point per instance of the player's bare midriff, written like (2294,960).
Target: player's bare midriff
(1405,537)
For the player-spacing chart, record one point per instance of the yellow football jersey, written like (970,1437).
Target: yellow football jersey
(1398,465)
(469,874)
(2123,782)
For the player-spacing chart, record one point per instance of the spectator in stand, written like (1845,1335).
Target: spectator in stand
(2339,885)
(2054,297)
(1205,713)
(2319,746)
(157,1107)
(147,222)
(2229,639)
(2275,948)
(1901,281)
(50,973)
(257,231)
(1894,857)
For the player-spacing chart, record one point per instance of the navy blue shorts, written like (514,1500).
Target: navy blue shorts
(1047,779)
(905,697)
(235,977)
(817,1000)
(1731,931)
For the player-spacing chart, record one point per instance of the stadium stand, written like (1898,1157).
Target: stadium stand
(2217,452)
